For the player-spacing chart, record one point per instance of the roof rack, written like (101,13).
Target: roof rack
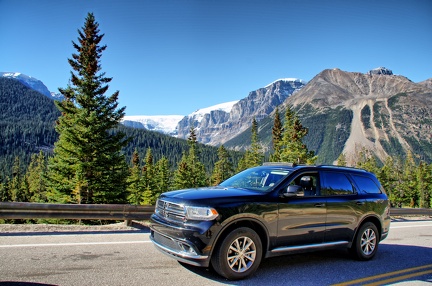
(279,164)
(341,167)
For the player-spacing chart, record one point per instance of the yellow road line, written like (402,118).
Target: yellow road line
(399,278)
(385,275)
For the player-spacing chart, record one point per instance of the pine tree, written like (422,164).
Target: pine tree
(367,161)
(17,185)
(409,181)
(223,167)
(242,163)
(190,172)
(197,175)
(4,193)
(149,179)
(35,175)
(291,146)
(87,166)
(390,177)
(182,174)
(424,184)
(341,161)
(254,155)
(135,189)
(277,131)
(163,176)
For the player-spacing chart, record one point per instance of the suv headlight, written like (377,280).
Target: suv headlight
(200,213)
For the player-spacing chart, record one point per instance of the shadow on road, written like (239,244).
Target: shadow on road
(326,267)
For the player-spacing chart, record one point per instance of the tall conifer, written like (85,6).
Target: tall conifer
(223,168)
(190,172)
(163,176)
(135,188)
(254,155)
(87,166)
(277,130)
(291,146)
(149,180)
(35,175)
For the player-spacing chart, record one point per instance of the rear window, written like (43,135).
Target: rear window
(335,184)
(366,184)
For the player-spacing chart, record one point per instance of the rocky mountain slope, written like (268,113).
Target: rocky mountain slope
(389,114)
(347,111)
(222,124)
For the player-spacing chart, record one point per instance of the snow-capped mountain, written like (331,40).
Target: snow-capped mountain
(161,123)
(289,80)
(168,124)
(217,124)
(200,114)
(32,83)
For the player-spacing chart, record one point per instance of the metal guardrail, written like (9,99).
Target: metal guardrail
(14,210)
(410,212)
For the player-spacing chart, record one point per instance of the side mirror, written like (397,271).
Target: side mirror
(292,191)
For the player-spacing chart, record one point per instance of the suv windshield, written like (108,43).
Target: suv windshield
(258,179)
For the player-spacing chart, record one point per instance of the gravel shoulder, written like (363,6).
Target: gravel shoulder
(35,228)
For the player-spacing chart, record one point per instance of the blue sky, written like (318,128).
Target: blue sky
(175,56)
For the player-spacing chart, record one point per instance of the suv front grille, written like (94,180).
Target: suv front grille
(170,211)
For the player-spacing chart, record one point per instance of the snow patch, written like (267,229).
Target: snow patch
(226,107)
(289,79)
(161,123)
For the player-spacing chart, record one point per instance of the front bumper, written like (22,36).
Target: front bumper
(186,243)
(179,249)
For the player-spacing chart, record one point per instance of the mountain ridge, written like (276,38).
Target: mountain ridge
(390,114)
(344,112)
(32,83)
(219,126)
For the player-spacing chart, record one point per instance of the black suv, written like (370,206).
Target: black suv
(272,210)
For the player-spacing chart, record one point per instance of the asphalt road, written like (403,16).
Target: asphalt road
(129,258)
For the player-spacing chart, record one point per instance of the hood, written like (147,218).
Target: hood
(210,193)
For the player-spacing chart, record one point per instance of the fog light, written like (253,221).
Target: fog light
(186,248)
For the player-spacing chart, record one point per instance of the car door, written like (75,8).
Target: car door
(344,206)
(301,219)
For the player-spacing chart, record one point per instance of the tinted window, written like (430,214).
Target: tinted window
(366,184)
(335,184)
(259,179)
(308,184)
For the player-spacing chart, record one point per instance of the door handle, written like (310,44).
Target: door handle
(319,205)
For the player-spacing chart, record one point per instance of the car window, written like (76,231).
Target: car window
(259,179)
(308,184)
(366,184)
(334,183)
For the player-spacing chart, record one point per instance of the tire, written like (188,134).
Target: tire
(238,255)
(365,244)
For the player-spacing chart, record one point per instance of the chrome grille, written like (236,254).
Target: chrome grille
(165,241)
(170,211)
